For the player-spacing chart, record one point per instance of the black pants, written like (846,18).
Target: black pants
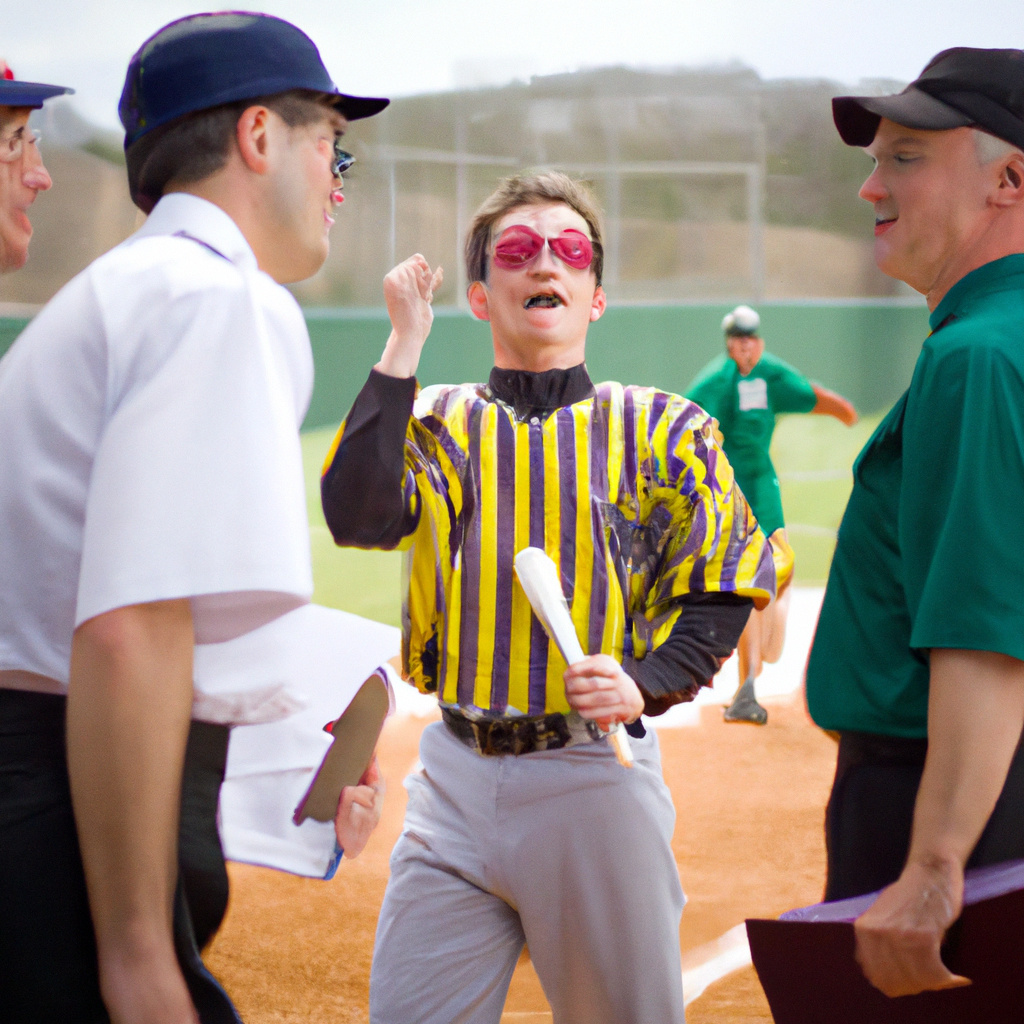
(871,811)
(48,972)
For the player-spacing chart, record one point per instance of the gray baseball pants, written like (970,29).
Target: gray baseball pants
(564,850)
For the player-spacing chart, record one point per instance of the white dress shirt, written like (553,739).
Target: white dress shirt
(149,443)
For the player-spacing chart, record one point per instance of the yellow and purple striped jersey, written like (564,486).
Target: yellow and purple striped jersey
(629,493)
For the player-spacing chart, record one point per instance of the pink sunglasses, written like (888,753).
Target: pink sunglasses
(519,245)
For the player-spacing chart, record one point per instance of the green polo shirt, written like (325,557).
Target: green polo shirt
(745,408)
(931,547)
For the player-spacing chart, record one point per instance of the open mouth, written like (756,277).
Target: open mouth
(882,224)
(546,301)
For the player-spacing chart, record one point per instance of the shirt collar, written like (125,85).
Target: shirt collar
(539,394)
(999,275)
(183,213)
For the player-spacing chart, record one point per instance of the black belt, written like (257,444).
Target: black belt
(857,748)
(495,737)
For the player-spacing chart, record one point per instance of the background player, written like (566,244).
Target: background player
(523,826)
(745,390)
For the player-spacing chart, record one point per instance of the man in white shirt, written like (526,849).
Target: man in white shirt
(151,497)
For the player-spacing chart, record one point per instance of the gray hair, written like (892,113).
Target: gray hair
(991,147)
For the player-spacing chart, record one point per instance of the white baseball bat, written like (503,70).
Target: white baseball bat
(538,576)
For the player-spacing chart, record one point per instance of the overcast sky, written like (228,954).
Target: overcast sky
(400,47)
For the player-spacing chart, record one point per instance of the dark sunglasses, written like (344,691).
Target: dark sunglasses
(520,245)
(342,161)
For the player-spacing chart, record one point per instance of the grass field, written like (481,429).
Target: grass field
(813,456)
(366,583)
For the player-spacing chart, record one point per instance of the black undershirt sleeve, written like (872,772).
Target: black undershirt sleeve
(362,491)
(708,629)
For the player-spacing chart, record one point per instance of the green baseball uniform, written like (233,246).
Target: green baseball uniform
(745,408)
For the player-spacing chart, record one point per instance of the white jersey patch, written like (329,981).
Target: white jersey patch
(753,394)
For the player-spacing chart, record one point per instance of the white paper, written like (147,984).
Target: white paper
(256,825)
(321,656)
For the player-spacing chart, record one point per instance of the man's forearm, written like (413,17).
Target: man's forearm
(831,404)
(400,357)
(129,705)
(361,491)
(975,719)
(706,632)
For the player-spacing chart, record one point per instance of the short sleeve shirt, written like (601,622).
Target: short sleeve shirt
(745,408)
(149,442)
(929,551)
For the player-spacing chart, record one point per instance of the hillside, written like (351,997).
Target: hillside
(676,229)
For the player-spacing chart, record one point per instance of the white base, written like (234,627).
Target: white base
(776,682)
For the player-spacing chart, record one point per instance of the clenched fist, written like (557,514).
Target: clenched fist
(408,293)
(598,689)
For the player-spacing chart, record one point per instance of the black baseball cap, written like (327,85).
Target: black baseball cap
(206,60)
(960,87)
(25,94)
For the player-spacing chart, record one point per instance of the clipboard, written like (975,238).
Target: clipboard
(355,738)
(806,965)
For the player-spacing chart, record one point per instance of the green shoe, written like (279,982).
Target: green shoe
(744,706)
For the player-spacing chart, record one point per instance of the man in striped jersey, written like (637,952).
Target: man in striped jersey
(522,826)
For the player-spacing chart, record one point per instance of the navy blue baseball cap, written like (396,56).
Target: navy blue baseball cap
(206,60)
(25,94)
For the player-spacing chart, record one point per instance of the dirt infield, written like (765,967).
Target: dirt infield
(748,842)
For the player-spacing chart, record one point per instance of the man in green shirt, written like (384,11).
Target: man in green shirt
(745,390)
(918,660)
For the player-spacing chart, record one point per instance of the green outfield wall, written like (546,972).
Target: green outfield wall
(864,349)
(9,330)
